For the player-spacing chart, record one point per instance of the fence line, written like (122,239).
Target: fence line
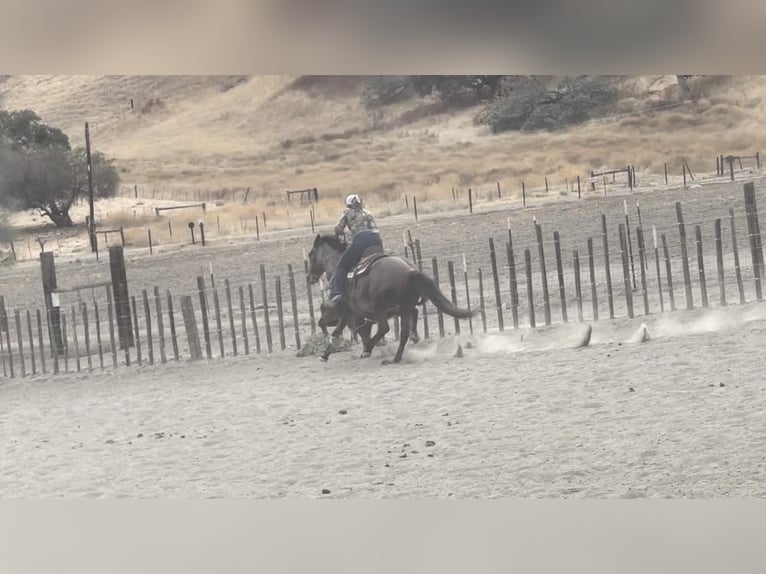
(520,286)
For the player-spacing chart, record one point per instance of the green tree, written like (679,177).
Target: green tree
(38,170)
(24,130)
(457,90)
(529,104)
(385,90)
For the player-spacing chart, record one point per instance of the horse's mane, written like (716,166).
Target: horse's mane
(332,241)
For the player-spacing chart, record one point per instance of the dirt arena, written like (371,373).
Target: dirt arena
(522,414)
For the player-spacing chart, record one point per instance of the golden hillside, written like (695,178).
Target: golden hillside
(274,133)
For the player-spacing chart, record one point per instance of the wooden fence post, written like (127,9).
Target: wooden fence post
(630,243)
(607,268)
(560,270)
(266,322)
(453,292)
(112,339)
(40,341)
(481,303)
(2,343)
(735,251)
(205,322)
(439,314)
(160,324)
(668,271)
(626,269)
(31,338)
(280,312)
(701,265)
(243,314)
(53,312)
(190,324)
(218,322)
(254,318)
(578,286)
(512,277)
(642,257)
(467,289)
(530,294)
(86,331)
(97,317)
(65,333)
(498,299)
(754,231)
(294,302)
(230,309)
(592,276)
(719,260)
(309,296)
(149,340)
(657,265)
(172,320)
(19,337)
(684,257)
(121,296)
(424,311)
(543,273)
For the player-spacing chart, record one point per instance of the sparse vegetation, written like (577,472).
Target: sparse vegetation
(529,105)
(209,140)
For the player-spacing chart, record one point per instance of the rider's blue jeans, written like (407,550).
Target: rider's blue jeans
(359,244)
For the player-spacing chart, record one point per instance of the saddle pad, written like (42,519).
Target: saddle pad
(364,265)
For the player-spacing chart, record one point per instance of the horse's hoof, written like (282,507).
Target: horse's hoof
(323,358)
(386,362)
(365,355)
(414,339)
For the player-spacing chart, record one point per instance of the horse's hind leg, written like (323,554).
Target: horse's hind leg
(414,337)
(383,328)
(364,332)
(404,336)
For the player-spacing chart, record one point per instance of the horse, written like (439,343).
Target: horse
(323,265)
(383,286)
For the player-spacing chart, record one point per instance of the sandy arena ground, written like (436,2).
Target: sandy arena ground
(522,414)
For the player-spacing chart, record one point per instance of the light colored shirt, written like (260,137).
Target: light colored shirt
(356,220)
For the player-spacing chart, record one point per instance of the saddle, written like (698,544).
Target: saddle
(365,263)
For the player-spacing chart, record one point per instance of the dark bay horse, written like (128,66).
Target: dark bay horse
(322,263)
(391,286)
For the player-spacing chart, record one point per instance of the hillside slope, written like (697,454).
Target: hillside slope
(277,132)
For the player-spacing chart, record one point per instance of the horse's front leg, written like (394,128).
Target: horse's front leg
(338,331)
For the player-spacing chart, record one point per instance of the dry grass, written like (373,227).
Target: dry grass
(274,133)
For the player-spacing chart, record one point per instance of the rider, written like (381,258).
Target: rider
(364,234)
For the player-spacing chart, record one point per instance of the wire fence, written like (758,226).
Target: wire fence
(697,261)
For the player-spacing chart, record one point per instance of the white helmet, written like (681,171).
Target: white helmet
(353,200)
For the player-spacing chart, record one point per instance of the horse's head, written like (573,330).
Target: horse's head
(321,251)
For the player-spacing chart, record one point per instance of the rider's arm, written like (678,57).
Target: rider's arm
(341,225)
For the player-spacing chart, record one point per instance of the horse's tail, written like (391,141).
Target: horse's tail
(424,286)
